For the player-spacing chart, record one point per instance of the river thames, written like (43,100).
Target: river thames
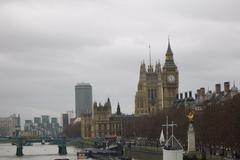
(50,152)
(35,152)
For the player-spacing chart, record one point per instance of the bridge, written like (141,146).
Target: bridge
(21,141)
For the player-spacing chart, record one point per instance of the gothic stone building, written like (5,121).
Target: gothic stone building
(157,88)
(102,123)
(101,116)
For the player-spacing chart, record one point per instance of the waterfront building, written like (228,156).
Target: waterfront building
(8,125)
(157,88)
(45,121)
(122,124)
(102,123)
(28,125)
(65,121)
(71,116)
(101,116)
(42,127)
(37,121)
(87,126)
(205,98)
(83,98)
(54,120)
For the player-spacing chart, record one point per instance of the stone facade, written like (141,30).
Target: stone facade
(101,115)
(102,123)
(8,125)
(205,98)
(157,88)
(87,130)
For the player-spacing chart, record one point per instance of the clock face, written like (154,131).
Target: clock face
(171,78)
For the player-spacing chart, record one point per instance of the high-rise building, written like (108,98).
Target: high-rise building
(45,121)
(9,125)
(54,120)
(37,120)
(157,88)
(83,98)
(70,116)
(28,125)
(44,128)
(65,121)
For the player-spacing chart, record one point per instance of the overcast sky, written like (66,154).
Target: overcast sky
(47,46)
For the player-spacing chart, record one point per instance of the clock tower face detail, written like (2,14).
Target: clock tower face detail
(171,78)
(157,86)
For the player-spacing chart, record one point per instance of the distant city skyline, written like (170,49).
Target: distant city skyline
(46,47)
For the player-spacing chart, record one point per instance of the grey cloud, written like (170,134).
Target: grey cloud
(47,47)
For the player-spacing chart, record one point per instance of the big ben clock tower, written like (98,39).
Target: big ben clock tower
(157,86)
(170,79)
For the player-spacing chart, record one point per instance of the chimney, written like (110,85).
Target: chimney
(226,87)
(186,95)
(196,96)
(198,93)
(177,96)
(181,96)
(190,94)
(218,88)
(202,92)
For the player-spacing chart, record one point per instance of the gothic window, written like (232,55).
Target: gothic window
(99,126)
(149,93)
(152,96)
(141,103)
(155,93)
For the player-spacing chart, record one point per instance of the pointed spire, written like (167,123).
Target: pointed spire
(150,58)
(169,50)
(150,68)
(169,61)
(118,109)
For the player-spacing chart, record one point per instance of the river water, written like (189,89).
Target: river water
(35,152)
(50,152)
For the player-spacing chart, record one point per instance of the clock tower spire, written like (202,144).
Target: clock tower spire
(169,61)
(170,78)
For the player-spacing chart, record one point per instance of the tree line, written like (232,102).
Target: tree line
(218,124)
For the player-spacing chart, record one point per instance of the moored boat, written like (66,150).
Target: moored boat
(82,155)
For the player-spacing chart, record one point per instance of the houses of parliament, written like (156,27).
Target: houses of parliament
(157,86)
(157,89)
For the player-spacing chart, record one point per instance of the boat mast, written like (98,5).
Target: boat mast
(166,125)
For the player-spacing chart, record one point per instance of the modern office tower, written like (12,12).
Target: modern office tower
(54,120)
(45,121)
(65,121)
(28,126)
(83,99)
(54,126)
(37,120)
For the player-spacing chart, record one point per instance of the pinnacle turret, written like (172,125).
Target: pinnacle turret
(158,67)
(118,109)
